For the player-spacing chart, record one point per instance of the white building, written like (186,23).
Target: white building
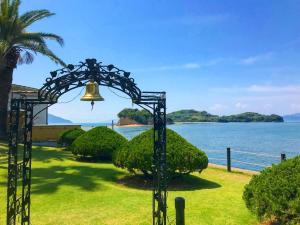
(18,91)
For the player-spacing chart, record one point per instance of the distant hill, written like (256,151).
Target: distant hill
(130,116)
(191,115)
(135,116)
(292,117)
(52,119)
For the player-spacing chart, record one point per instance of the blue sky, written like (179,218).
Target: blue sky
(224,57)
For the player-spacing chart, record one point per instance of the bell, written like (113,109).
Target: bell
(92,92)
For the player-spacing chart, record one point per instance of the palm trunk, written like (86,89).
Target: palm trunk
(5,87)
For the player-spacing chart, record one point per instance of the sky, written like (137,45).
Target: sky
(225,57)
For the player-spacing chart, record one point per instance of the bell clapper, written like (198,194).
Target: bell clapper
(92,103)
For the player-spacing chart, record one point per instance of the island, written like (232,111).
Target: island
(191,115)
(133,117)
(142,117)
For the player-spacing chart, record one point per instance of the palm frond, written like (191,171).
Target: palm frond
(32,16)
(27,58)
(47,52)
(4,49)
(4,46)
(29,37)
(4,7)
(44,50)
(13,35)
(13,11)
(53,37)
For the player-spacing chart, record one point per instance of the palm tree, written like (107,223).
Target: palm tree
(17,46)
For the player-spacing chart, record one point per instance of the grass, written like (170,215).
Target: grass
(65,191)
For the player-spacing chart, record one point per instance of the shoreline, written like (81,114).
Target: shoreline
(181,123)
(131,125)
(233,169)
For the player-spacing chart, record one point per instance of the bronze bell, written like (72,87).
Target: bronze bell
(92,92)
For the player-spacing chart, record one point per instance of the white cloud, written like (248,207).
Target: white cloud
(257,58)
(191,65)
(240,105)
(188,65)
(295,107)
(218,107)
(270,88)
(267,106)
(287,89)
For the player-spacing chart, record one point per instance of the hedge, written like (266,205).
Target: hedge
(275,193)
(67,137)
(98,143)
(182,157)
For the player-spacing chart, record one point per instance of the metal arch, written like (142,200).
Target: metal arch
(71,77)
(60,82)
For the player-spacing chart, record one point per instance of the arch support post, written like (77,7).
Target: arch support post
(19,162)
(159,164)
(13,203)
(26,175)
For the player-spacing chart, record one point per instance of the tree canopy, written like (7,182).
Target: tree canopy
(18,44)
(191,115)
(182,156)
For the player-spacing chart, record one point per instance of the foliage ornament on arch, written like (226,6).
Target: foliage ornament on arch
(74,76)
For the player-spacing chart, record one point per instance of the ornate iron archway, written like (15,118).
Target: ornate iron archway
(60,82)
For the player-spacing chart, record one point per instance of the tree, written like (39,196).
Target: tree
(274,194)
(17,46)
(182,157)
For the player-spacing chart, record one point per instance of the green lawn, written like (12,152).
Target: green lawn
(65,191)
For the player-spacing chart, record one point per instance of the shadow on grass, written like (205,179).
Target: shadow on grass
(46,154)
(183,183)
(48,180)
(39,153)
(87,177)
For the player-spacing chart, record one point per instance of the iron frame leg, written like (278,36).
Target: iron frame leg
(26,177)
(13,202)
(159,165)
(18,204)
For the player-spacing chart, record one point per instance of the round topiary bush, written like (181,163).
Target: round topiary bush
(275,193)
(67,137)
(182,157)
(98,143)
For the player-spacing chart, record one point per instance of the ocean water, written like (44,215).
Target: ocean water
(254,145)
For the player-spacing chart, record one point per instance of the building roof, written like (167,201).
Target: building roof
(23,89)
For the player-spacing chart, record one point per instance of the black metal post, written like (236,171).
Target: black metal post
(228,160)
(14,170)
(112,124)
(26,176)
(179,206)
(159,164)
(283,157)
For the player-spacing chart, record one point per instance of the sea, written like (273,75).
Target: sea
(254,146)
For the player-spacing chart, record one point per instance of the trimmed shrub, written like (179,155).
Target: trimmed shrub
(67,137)
(275,193)
(98,143)
(182,157)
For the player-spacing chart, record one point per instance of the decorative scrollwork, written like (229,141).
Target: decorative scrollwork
(73,76)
